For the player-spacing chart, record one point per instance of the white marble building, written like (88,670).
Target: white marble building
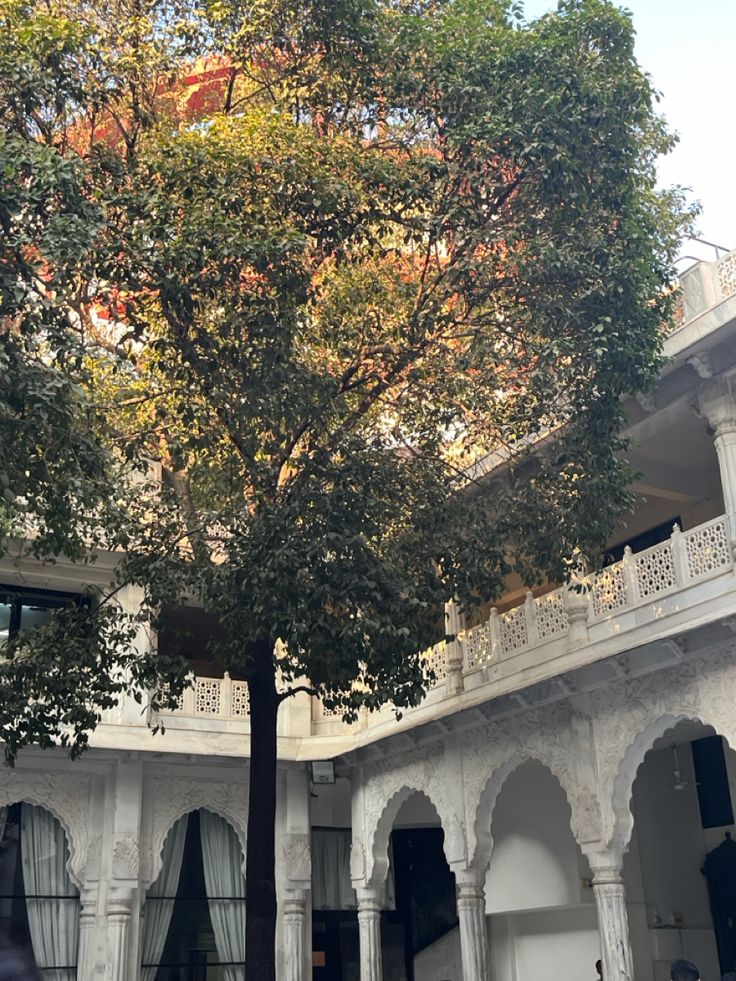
(575,753)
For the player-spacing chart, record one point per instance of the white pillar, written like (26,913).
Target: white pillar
(454,682)
(87,933)
(119,916)
(294,879)
(471,911)
(294,929)
(370,903)
(613,922)
(718,406)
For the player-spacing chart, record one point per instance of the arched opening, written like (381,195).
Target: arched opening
(194,913)
(538,896)
(425,927)
(682,807)
(39,903)
(419,897)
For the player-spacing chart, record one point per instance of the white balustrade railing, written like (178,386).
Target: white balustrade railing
(536,621)
(436,660)
(684,559)
(726,268)
(215,698)
(705,284)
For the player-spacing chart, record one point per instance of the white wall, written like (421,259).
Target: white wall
(330,804)
(535,859)
(543,922)
(554,945)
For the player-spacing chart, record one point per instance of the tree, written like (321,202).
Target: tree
(314,260)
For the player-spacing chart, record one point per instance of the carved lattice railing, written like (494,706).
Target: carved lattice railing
(639,578)
(702,286)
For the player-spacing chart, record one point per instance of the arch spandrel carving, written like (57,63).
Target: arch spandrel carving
(67,797)
(173,797)
(550,736)
(630,716)
(583,805)
(387,784)
(376,865)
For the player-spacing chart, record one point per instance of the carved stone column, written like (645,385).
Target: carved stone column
(576,604)
(718,406)
(471,911)
(454,682)
(295,912)
(119,917)
(613,922)
(370,903)
(87,931)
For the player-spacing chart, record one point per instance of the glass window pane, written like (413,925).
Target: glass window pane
(5,611)
(32,617)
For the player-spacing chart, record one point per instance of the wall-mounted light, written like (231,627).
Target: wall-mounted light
(323,771)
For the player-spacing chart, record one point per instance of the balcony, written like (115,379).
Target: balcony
(703,286)
(683,582)
(644,587)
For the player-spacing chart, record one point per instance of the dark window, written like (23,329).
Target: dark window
(711,776)
(28,609)
(190,632)
(647,539)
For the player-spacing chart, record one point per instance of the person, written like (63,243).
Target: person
(599,969)
(14,965)
(684,971)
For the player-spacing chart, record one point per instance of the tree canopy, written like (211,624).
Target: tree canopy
(312,262)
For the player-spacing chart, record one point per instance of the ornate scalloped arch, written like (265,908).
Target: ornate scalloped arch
(178,796)
(378,842)
(56,794)
(492,788)
(632,759)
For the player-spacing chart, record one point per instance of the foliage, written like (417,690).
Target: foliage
(325,266)
(388,239)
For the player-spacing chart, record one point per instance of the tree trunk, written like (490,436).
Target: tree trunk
(260,859)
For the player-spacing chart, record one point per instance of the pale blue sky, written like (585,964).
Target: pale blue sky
(689,49)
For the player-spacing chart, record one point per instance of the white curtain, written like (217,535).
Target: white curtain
(331,885)
(54,923)
(223,876)
(157,912)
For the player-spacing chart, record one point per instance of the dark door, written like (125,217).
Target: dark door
(720,872)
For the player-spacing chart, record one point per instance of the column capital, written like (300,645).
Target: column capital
(370,898)
(470,882)
(608,875)
(120,901)
(717,404)
(294,902)
(606,866)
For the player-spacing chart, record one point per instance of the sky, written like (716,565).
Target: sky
(689,49)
